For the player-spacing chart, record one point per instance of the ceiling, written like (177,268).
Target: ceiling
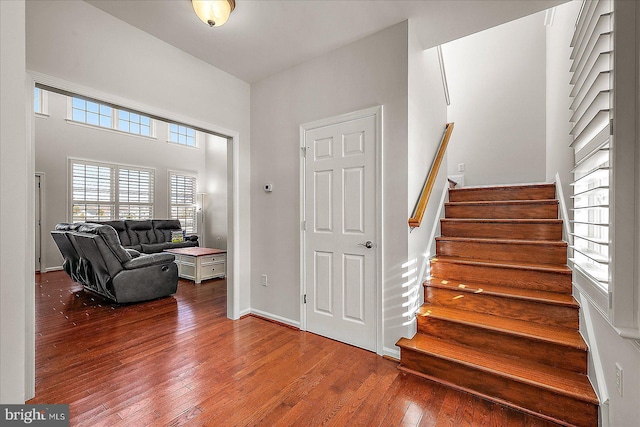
(263,37)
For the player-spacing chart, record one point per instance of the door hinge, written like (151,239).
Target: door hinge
(304,225)
(39,184)
(304,300)
(304,151)
(610,126)
(610,300)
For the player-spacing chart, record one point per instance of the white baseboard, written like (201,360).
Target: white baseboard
(244,312)
(274,317)
(50,269)
(391,352)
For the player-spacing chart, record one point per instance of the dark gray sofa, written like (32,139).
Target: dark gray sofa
(149,236)
(94,257)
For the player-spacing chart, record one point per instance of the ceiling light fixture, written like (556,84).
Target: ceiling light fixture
(213,12)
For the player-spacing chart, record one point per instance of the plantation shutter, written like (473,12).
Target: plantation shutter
(592,94)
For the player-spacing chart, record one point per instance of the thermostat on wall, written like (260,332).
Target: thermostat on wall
(268,188)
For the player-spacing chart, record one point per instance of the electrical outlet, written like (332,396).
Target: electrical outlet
(264,280)
(619,382)
(460,167)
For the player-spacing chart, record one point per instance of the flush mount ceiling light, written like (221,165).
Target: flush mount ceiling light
(213,12)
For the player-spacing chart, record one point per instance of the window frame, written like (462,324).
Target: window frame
(42,96)
(186,135)
(115,117)
(185,226)
(115,184)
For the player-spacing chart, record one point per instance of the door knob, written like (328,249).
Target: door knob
(366,244)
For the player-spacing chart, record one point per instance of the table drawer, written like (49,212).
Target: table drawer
(210,259)
(213,270)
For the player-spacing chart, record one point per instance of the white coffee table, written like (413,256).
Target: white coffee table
(200,264)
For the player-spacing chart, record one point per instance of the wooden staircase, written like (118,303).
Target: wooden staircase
(499,320)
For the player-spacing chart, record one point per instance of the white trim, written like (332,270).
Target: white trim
(50,269)
(443,75)
(601,389)
(29,249)
(598,297)
(376,112)
(391,352)
(42,217)
(273,317)
(432,237)
(112,130)
(564,212)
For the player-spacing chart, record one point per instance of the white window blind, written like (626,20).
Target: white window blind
(102,192)
(183,200)
(93,192)
(592,81)
(135,193)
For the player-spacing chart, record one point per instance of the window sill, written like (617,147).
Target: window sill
(116,131)
(182,145)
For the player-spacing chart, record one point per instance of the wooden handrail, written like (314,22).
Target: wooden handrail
(421,205)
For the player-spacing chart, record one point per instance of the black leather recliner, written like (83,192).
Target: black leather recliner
(95,258)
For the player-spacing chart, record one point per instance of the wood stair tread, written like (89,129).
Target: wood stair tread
(536,331)
(552,298)
(504,202)
(503,241)
(503,220)
(502,187)
(559,381)
(562,269)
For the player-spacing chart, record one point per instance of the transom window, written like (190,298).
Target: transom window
(91,113)
(101,115)
(40,99)
(134,123)
(94,187)
(182,198)
(182,135)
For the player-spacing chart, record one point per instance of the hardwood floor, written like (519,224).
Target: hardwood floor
(180,361)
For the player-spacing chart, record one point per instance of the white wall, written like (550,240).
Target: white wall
(497,88)
(57,140)
(78,43)
(16,255)
(559,155)
(215,186)
(369,72)
(426,123)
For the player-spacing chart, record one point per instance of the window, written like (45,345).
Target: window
(592,95)
(94,187)
(182,198)
(93,193)
(91,113)
(182,135)
(135,193)
(104,116)
(40,98)
(134,123)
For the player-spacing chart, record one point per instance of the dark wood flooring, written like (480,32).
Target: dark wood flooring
(180,361)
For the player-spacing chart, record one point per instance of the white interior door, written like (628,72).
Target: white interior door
(340,237)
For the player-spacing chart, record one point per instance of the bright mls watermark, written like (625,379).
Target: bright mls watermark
(34,415)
